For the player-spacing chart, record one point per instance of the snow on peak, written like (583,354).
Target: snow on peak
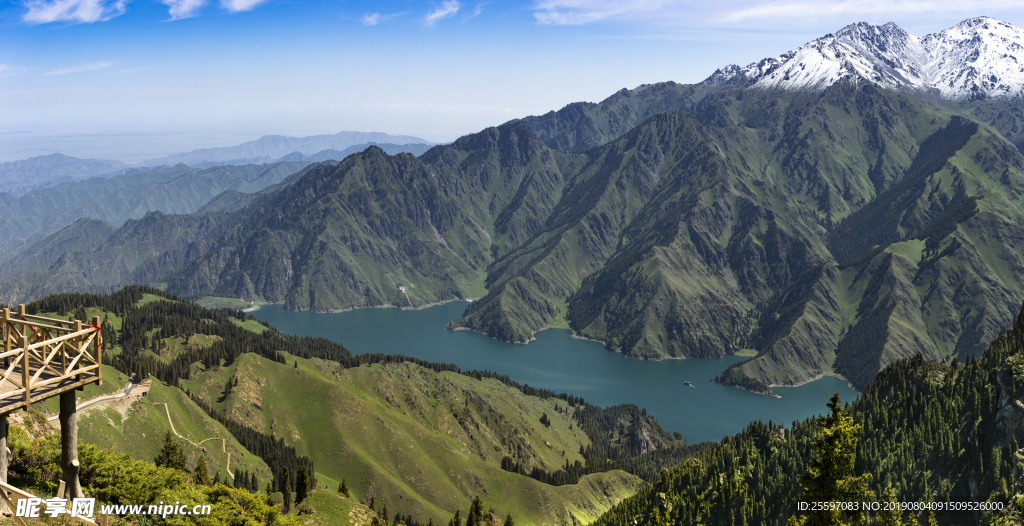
(977,58)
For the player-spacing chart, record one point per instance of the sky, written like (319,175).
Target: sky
(131,80)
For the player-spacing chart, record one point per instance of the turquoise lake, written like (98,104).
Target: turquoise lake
(561,363)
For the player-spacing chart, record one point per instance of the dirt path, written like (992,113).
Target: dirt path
(224,441)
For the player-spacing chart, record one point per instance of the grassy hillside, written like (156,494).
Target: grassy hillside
(137,428)
(424,442)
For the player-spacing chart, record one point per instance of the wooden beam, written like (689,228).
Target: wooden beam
(71,335)
(7,489)
(42,394)
(7,335)
(99,349)
(54,321)
(5,455)
(24,371)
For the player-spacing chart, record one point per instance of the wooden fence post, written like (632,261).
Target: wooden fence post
(69,444)
(5,458)
(24,371)
(99,350)
(8,336)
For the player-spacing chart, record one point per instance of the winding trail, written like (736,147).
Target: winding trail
(224,441)
(127,392)
(99,400)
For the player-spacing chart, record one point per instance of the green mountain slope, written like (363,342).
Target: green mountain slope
(581,126)
(424,442)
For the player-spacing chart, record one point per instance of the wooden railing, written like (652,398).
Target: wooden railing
(45,356)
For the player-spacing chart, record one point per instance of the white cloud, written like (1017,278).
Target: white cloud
(862,8)
(46,11)
(240,5)
(80,69)
(180,9)
(372,19)
(447,9)
(579,12)
(476,11)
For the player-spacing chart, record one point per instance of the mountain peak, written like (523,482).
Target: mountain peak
(975,59)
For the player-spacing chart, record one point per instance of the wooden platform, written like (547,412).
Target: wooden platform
(43,357)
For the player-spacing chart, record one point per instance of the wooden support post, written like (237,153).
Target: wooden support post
(8,336)
(78,327)
(69,444)
(99,351)
(25,377)
(5,458)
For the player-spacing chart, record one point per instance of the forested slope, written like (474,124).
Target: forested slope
(930,431)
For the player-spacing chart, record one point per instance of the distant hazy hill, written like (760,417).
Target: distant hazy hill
(337,155)
(21,177)
(271,147)
(176,190)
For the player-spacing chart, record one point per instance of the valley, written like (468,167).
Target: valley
(699,303)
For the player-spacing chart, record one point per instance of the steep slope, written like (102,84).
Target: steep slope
(423,442)
(926,267)
(581,126)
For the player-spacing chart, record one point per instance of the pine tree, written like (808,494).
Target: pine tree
(201,475)
(171,455)
(301,486)
(475,514)
(509,521)
(286,488)
(343,488)
(384,513)
(829,476)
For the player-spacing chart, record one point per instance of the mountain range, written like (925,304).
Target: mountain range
(975,59)
(861,208)
(20,177)
(270,148)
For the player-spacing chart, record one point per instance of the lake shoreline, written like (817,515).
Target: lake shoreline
(563,362)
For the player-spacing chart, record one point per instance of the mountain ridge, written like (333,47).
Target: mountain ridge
(269,148)
(976,59)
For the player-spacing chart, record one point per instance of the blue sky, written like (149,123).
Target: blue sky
(136,79)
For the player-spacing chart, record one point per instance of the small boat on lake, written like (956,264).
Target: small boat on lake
(687,382)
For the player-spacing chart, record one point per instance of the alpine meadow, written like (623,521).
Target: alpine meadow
(853,208)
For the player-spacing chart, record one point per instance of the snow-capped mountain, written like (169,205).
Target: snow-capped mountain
(977,58)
